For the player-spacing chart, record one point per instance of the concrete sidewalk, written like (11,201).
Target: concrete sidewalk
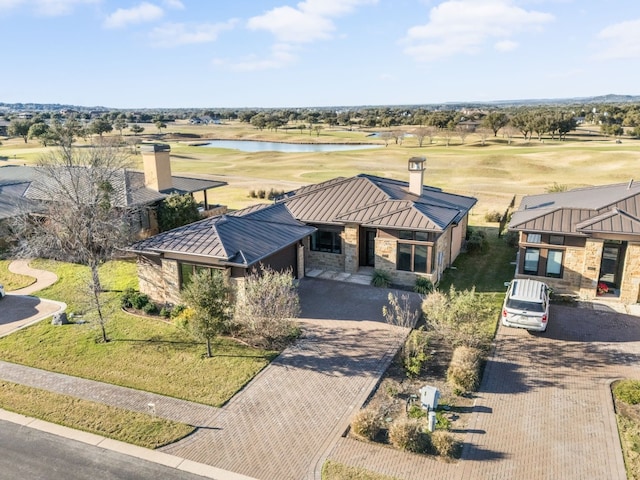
(44,278)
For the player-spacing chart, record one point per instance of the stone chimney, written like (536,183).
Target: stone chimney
(416,174)
(157,166)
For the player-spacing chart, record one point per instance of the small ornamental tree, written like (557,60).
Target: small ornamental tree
(209,297)
(267,306)
(177,210)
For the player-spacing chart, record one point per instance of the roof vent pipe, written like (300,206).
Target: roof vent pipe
(630,184)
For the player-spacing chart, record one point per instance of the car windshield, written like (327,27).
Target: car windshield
(524,305)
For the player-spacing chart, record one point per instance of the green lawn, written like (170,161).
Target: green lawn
(12,281)
(144,354)
(124,425)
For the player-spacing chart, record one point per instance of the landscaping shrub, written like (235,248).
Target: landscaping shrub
(391,387)
(366,423)
(177,310)
(381,278)
(414,353)
(511,238)
(407,435)
(416,411)
(463,373)
(252,194)
(150,308)
(262,193)
(628,391)
(423,286)
(134,299)
(445,444)
(442,422)
(477,242)
(459,317)
(165,312)
(493,217)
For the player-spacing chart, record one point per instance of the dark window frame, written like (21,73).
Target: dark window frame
(412,263)
(194,268)
(555,275)
(524,261)
(326,245)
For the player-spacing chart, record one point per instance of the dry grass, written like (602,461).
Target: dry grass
(124,425)
(338,471)
(493,173)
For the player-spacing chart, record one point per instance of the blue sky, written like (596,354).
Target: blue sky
(280,53)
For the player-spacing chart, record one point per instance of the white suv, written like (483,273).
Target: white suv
(526,305)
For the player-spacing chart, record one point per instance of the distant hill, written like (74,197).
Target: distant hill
(610,98)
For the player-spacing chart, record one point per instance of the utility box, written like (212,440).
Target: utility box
(429,397)
(432,421)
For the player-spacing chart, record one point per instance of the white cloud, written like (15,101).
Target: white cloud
(281,55)
(464,26)
(506,46)
(46,7)
(174,34)
(176,4)
(620,40)
(308,21)
(144,12)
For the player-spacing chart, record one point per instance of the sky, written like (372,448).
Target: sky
(280,53)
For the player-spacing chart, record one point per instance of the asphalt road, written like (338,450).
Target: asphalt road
(26,453)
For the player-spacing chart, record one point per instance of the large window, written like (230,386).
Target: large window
(531,260)
(188,270)
(554,263)
(326,241)
(412,257)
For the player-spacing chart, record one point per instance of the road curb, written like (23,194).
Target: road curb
(142,453)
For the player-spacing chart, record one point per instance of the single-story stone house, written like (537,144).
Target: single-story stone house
(25,188)
(343,225)
(584,242)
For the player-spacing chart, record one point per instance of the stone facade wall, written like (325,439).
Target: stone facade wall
(350,248)
(386,255)
(324,260)
(630,285)
(151,280)
(591,271)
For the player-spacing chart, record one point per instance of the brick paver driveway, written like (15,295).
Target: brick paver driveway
(282,425)
(544,410)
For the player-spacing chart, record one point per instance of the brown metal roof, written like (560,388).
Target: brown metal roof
(612,221)
(232,239)
(603,209)
(374,201)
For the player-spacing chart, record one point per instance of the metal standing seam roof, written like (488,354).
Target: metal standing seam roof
(128,185)
(240,240)
(375,201)
(613,209)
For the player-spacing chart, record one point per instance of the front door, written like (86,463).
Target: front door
(611,264)
(370,248)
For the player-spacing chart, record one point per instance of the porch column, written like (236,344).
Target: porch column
(351,250)
(591,270)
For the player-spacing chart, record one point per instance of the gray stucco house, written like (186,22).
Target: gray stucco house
(344,224)
(584,242)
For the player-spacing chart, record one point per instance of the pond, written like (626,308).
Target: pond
(255,146)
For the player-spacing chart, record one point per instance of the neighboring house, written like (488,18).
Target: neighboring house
(142,191)
(262,235)
(342,225)
(582,239)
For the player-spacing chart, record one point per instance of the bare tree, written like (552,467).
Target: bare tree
(267,306)
(483,133)
(509,132)
(447,134)
(386,136)
(397,136)
(83,220)
(462,132)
